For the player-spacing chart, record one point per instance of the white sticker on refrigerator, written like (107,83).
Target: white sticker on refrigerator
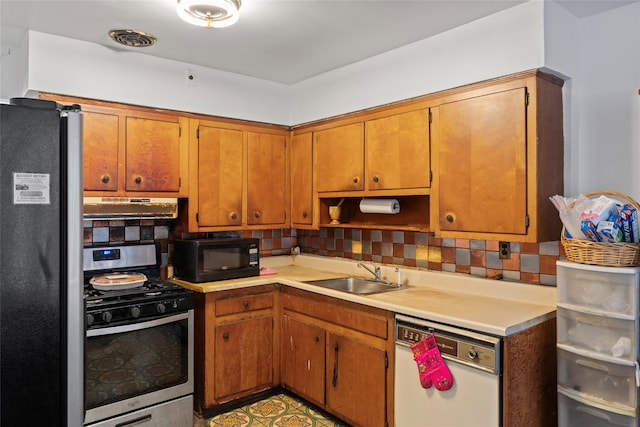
(31,188)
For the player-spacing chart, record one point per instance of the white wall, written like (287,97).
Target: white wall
(504,43)
(601,56)
(13,69)
(72,67)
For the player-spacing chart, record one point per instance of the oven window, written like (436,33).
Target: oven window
(128,364)
(223,258)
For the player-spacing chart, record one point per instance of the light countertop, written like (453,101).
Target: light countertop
(494,307)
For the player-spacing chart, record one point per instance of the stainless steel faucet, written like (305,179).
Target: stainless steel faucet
(375,271)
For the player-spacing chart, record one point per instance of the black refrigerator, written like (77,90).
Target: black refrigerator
(41,279)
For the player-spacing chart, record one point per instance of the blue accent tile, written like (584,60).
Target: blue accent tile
(529,263)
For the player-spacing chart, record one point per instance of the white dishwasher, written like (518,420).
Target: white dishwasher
(475,400)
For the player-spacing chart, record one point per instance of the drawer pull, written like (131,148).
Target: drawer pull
(245,304)
(334,378)
(225,335)
(104,179)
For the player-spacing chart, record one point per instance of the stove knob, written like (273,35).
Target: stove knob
(473,354)
(107,316)
(161,308)
(135,312)
(89,319)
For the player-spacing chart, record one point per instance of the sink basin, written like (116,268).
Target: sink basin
(356,285)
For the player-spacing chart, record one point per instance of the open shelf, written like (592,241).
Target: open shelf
(413,215)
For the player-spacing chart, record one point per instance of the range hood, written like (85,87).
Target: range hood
(95,208)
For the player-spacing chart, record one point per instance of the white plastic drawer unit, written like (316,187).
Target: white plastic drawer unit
(609,289)
(576,412)
(610,380)
(596,332)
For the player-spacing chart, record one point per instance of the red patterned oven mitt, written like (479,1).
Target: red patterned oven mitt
(431,366)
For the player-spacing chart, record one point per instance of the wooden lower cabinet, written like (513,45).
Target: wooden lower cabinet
(356,387)
(243,357)
(303,359)
(236,345)
(338,355)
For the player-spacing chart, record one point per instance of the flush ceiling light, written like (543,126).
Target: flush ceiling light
(209,13)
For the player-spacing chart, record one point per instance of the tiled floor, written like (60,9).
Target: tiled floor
(280,410)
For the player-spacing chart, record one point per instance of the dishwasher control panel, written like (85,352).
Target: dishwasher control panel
(469,348)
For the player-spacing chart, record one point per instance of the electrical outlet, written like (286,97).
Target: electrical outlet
(191,77)
(504,250)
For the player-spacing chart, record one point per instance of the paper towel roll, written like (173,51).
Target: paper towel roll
(381,206)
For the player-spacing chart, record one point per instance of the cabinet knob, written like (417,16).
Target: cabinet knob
(450,217)
(256,214)
(304,214)
(376,178)
(245,304)
(138,179)
(233,215)
(104,178)
(316,339)
(356,179)
(225,335)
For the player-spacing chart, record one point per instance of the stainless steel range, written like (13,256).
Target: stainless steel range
(139,340)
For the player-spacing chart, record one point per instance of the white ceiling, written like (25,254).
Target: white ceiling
(284,41)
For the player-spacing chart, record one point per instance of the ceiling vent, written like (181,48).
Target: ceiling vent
(132,38)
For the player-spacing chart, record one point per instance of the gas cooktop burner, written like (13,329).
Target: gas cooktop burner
(120,306)
(151,288)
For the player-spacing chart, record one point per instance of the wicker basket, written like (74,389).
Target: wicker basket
(602,253)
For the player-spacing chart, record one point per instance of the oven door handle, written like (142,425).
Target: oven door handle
(136,326)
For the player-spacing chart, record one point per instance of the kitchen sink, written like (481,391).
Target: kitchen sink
(356,285)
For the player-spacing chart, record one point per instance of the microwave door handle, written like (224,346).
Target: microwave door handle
(136,326)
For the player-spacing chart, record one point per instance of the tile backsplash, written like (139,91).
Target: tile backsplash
(528,262)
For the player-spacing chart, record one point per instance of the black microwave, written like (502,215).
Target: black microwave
(208,260)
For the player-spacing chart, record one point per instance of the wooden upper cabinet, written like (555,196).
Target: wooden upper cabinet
(267,197)
(219,176)
(339,158)
(499,157)
(302,179)
(153,154)
(397,151)
(100,151)
(482,162)
(132,151)
(239,178)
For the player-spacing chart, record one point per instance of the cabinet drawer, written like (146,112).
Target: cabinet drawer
(613,290)
(244,304)
(574,412)
(600,334)
(614,382)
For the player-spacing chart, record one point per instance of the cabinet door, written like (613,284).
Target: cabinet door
(482,151)
(356,381)
(303,359)
(153,154)
(397,151)
(266,179)
(339,158)
(243,357)
(302,179)
(100,151)
(219,177)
